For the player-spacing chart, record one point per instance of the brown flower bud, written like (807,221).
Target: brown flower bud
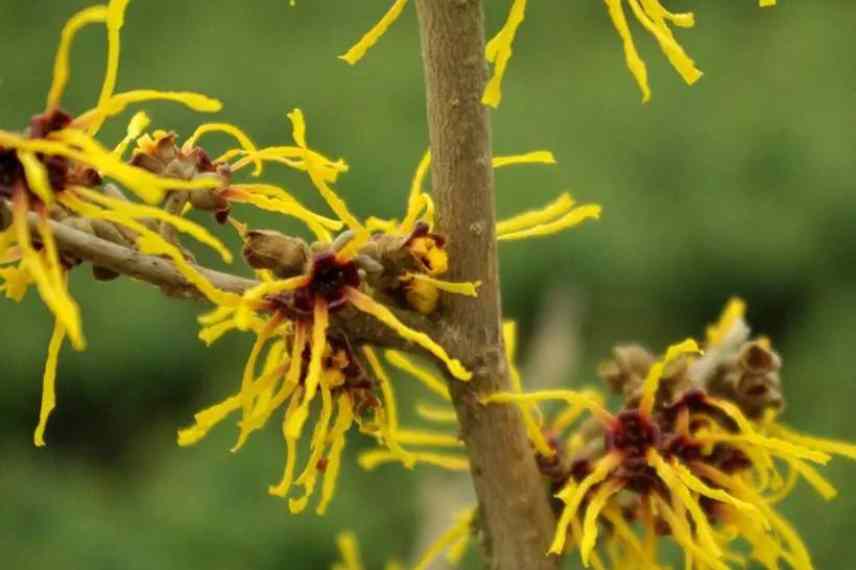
(268,249)
(750,378)
(626,371)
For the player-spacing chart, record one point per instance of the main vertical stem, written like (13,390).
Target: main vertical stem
(514,506)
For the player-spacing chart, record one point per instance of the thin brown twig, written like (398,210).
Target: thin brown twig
(360,328)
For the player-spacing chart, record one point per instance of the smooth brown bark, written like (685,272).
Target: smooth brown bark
(515,514)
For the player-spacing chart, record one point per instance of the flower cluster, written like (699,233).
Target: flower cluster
(651,14)
(696,453)
(381,268)
(56,172)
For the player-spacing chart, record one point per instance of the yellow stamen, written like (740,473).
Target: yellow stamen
(359,49)
(61,69)
(498,52)
(368,305)
(49,383)
(652,379)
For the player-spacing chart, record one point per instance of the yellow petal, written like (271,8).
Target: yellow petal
(368,305)
(461,529)
(534,157)
(414,204)
(140,211)
(634,62)
(569,220)
(498,51)
(120,101)
(62,69)
(344,419)
(652,379)
(49,383)
(371,37)
(243,139)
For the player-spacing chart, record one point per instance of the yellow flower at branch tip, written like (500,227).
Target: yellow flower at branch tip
(498,52)
(358,50)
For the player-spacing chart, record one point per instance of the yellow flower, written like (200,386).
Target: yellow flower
(50,173)
(692,465)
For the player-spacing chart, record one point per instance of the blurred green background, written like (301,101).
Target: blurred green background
(742,185)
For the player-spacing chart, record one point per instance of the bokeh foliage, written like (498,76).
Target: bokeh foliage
(742,185)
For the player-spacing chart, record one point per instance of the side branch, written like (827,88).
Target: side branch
(514,506)
(359,327)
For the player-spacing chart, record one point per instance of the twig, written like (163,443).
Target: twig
(359,327)
(514,508)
